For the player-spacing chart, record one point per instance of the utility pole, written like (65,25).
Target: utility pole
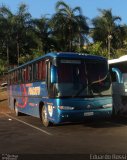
(18,52)
(7,57)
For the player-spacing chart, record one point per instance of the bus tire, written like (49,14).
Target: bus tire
(44,117)
(113,112)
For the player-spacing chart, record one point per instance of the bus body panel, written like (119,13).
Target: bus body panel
(83,107)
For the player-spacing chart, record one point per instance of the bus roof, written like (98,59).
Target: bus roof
(62,55)
(118,60)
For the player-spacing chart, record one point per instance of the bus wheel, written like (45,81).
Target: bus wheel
(44,117)
(113,112)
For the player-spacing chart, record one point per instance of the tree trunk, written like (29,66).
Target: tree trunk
(18,51)
(7,56)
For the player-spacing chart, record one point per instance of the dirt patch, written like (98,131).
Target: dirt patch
(4,100)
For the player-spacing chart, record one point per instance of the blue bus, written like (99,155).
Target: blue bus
(61,87)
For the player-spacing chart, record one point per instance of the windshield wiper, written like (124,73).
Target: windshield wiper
(81,90)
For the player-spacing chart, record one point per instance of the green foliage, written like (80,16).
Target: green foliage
(96,49)
(3,66)
(23,38)
(35,54)
(26,58)
(69,27)
(107,25)
(119,52)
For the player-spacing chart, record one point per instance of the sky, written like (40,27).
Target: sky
(38,8)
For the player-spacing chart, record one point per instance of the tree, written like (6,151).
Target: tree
(3,67)
(96,49)
(69,26)
(44,33)
(106,29)
(21,30)
(5,30)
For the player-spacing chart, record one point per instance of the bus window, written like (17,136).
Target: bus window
(23,75)
(19,75)
(16,78)
(30,72)
(39,70)
(71,73)
(43,71)
(12,77)
(26,74)
(34,72)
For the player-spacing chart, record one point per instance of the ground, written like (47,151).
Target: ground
(3,100)
(25,135)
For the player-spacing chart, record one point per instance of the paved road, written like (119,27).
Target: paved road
(25,134)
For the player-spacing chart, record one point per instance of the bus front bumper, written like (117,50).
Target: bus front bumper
(77,116)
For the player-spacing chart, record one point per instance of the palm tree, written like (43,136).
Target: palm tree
(69,26)
(6,26)
(106,27)
(15,32)
(21,25)
(43,31)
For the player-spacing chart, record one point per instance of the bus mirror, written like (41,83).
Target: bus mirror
(53,74)
(118,74)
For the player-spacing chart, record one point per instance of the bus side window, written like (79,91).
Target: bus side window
(19,75)
(30,72)
(16,76)
(39,70)
(10,78)
(43,71)
(26,74)
(22,74)
(35,71)
(13,75)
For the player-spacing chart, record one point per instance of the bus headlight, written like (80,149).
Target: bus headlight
(66,108)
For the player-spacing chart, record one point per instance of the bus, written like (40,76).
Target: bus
(118,70)
(61,87)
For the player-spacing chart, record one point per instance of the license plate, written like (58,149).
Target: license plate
(88,114)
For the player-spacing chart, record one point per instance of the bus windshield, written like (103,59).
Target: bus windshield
(98,77)
(82,78)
